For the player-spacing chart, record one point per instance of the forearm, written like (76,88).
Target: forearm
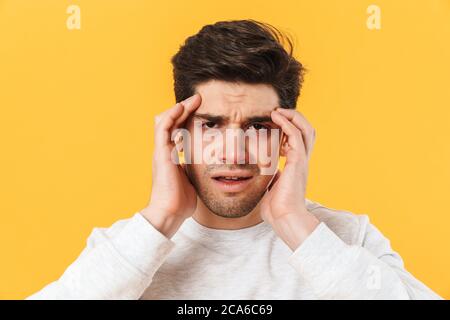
(337,270)
(113,266)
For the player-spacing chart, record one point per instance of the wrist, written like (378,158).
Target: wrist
(167,224)
(295,227)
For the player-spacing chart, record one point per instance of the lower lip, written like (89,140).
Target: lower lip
(232,185)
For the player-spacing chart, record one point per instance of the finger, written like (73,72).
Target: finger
(170,119)
(308,132)
(295,139)
(189,106)
(165,122)
(297,118)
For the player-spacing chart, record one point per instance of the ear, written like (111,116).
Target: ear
(284,146)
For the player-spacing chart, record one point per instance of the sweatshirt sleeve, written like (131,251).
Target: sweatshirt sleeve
(368,270)
(114,265)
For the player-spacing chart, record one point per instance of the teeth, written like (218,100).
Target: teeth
(230,178)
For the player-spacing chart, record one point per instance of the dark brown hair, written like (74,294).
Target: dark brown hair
(239,51)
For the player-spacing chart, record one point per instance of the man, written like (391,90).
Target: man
(226,230)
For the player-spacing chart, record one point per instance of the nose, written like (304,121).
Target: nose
(233,147)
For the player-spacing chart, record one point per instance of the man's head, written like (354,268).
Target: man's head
(242,72)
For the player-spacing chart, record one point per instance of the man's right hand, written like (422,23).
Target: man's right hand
(173,197)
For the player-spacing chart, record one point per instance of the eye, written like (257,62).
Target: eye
(257,126)
(208,125)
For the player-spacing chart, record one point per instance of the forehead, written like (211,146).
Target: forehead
(236,100)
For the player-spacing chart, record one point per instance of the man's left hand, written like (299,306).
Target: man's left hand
(283,205)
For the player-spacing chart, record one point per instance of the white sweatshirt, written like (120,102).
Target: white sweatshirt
(345,257)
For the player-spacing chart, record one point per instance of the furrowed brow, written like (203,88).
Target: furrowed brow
(209,117)
(259,119)
(222,119)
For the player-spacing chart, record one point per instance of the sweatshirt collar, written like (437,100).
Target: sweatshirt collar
(197,231)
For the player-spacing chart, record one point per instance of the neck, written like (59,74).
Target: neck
(207,218)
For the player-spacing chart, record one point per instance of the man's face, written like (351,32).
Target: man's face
(230,108)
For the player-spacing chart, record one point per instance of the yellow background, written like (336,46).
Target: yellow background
(77,110)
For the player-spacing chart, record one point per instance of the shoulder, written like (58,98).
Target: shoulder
(350,227)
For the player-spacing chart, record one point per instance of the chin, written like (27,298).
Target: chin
(234,206)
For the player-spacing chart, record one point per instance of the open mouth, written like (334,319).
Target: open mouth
(231,179)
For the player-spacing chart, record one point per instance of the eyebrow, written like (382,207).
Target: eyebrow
(222,119)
